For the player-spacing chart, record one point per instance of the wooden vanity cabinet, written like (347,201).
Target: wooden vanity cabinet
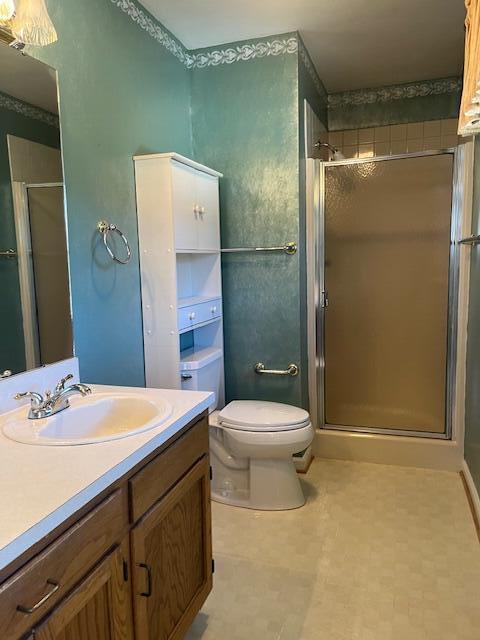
(98,608)
(171,554)
(136,566)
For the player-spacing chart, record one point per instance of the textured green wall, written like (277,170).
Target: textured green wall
(121,93)
(245,124)
(472,398)
(435,107)
(12,351)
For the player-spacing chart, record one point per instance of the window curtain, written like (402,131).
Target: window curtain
(469,119)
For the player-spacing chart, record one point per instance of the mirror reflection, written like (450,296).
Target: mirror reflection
(35,312)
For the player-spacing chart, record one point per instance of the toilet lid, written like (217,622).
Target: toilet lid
(256,415)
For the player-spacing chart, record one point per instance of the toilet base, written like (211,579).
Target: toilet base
(266,485)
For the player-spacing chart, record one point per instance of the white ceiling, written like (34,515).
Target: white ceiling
(28,79)
(354,43)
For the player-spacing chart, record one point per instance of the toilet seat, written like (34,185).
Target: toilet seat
(262,416)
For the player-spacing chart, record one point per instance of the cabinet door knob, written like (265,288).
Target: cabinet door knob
(213,309)
(191,316)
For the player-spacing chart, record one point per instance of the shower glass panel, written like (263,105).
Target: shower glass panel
(387,254)
(50,269)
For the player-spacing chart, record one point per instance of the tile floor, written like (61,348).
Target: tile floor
(378,553)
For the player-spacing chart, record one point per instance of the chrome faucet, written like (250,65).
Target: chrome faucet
(52,403)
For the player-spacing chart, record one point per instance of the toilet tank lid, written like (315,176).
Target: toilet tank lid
(193,359)
(263,415)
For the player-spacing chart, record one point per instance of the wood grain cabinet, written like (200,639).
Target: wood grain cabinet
(98,608)
(136,566)
(171,552)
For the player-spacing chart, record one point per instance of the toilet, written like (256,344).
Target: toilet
(251,445)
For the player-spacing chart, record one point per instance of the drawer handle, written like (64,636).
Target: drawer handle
(186,376)
(54,589)
(148,592)
(191,316)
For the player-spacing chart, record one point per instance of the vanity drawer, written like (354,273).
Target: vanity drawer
(189,317)
(60,566)
(158,476)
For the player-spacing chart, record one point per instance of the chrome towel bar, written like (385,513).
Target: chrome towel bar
(473,239)
(104,228)
(291,370)
(9,253)
(290,248)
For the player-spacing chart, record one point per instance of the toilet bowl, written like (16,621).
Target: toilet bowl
(251,446)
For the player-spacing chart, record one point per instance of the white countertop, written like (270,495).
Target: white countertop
(41,486)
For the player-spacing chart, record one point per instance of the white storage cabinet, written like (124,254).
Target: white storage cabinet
(179,240)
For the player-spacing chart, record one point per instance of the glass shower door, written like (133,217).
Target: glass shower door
(387,255)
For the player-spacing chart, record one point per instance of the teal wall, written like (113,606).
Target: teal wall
(121,93)
(245,124)
(434,107)
(472,397)
(12,351)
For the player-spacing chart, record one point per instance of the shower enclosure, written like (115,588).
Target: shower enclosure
(384,262)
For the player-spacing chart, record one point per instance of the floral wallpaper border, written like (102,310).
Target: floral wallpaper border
(28,110)
(395,92)
(206,58)
(203,58)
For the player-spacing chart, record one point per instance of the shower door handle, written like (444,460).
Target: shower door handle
(324,299)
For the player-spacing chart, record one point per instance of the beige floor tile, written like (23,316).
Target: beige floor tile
(377,553)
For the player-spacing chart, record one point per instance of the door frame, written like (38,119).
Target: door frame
(26,276)
(316,288)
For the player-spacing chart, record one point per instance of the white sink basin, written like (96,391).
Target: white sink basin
(99,417)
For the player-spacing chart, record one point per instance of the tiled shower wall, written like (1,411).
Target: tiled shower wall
(396,139)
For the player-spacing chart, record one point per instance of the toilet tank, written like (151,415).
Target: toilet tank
(201,370)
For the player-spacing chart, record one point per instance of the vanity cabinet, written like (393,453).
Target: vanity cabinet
(136,565)
(99,607)
(171,554)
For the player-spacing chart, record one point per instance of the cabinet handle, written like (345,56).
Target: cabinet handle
(148,592)
(191,316)
(55,587)
(202,210)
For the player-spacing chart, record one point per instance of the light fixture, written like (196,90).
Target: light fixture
(32,24)
(7,9)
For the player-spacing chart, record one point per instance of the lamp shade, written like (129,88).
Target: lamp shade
(7,9)
(32,24)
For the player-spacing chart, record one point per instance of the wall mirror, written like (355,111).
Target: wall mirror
(35,309)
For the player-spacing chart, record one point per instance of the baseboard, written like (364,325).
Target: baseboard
(445,455)
(472,495)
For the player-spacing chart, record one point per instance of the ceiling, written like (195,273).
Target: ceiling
(28,79)
(354,44)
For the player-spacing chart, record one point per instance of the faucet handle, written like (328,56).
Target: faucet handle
(35,398)
(61,385)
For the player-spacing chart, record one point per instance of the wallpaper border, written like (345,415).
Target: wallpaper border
(28,110)
(395,92)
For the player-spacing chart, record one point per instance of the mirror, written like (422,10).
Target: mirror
(35,309)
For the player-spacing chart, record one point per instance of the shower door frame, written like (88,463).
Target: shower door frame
(317,389)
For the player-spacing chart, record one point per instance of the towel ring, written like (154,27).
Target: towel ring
(104,229)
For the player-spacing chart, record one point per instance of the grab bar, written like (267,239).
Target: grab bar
(9,253)
(470,240)
(291,370)
(290,248)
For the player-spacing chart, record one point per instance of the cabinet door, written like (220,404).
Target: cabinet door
(99,608)
(209,212)
(172,558)
(184,203)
